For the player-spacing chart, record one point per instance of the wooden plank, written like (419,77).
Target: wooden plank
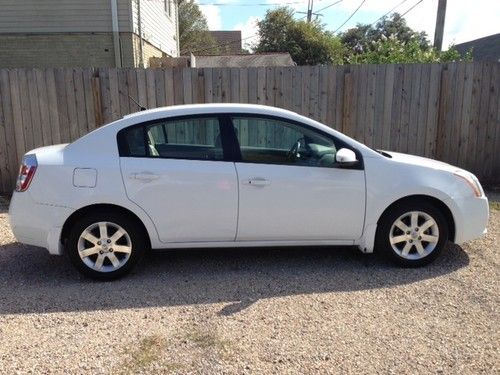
(474,122)
(6,102)
(142,97)
(151,88)
(388,95)
(97,101)
(199,77)
(347,110)
(123,92)
(34,109)
(370,109)
(286,88)
(252,85)
(29,141)
(71,102)
(360,98)
(178,86)
(90,109)
(297,89)
(81,110)
(169,86)
(208,78)
(261,86)
(305,88)
(490,152)
(396,108)
(270,87)
(494,178)
(234,91)
(161,95)
(62,100)
(225,81)
(465,116)
(114,95)
(433,111)
(421,117)
(243,74)
(404,118)
(323,82)
(482,129)
(187,86)
(105,95)
(5,176)
(53,106)
(43,104)
(450,118)
(453,129)
(133,94)
(413,140)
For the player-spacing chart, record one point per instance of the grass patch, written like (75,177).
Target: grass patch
(207,340)
(495,206)
(148,352)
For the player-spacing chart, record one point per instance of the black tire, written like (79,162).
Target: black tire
(136,237)
(383,243)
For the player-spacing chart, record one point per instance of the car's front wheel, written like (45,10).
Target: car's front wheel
(412,233)
(105,246)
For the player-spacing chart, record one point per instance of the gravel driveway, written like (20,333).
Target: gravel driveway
(255,311)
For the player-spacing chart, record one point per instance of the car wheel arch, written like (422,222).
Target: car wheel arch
(439,204)
(101,207)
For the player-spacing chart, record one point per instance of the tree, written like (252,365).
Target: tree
(307,43)
(193,30)
(392,41)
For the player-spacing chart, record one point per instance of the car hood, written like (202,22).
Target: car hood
(421,161)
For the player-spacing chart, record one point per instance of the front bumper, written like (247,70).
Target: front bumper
(471,217)
(37,224)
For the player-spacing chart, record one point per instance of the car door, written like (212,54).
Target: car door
(176,170)
(291,187)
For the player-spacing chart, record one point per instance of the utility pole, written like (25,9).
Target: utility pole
(309,10)
(439,31)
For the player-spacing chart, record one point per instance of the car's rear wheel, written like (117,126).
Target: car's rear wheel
(412,233)
(105,246)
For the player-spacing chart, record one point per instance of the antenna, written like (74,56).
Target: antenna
(137,104)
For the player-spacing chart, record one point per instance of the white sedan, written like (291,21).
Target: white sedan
(234,175)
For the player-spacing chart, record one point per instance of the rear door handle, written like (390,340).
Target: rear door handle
(144,176)
(257,181)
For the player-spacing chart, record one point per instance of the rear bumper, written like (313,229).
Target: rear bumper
(471,217)
(37,224)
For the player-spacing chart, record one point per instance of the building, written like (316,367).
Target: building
(225,61)
(483,49)
(229,42)
(86,33)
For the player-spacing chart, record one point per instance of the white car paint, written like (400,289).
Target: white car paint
(211,204)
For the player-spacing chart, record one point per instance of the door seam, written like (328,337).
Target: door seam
(238,205)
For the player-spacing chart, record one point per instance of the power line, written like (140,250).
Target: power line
(317,12)
(389,12)
(353,13)
(252,4)
(411,8)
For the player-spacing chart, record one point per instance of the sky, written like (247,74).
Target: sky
(465,19)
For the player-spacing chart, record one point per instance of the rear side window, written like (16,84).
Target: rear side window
(187,138)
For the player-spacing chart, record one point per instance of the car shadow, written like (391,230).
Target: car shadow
(32,281)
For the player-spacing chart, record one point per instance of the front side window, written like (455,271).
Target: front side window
(276,141)
(190,138)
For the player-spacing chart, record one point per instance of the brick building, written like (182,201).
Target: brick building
(86,33)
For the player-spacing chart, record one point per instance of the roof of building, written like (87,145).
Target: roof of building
(240,61)
(483,49)
(228,41)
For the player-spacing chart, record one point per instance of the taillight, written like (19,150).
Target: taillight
(26,172)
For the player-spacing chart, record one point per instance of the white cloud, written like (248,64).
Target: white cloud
(212,13)
(248,30)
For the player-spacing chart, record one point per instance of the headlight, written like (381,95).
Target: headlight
(471,181)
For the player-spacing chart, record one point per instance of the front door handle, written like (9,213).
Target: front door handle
(257,181)
(144,176)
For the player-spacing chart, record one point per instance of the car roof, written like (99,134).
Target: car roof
(190,109)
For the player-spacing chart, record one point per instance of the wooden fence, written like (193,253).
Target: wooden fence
(445,111)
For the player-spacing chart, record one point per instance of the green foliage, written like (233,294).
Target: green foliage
(393,41)
(193,30)
(307,43)
(392,50)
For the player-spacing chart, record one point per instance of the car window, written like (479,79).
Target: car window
(276,141)
(190,138)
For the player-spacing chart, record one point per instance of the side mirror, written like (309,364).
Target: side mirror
(346,157)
